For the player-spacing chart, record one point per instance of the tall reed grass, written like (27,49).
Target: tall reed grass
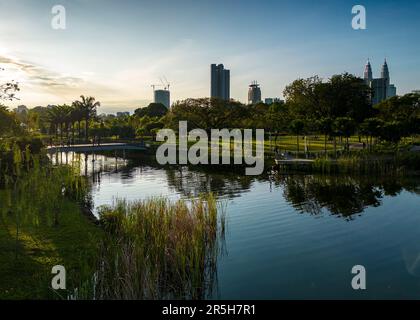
(355,164)
(158,249)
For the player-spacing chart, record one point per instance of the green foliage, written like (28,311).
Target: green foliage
(8,90)
(207,113)
(42,226)
(152,110)
(9,125)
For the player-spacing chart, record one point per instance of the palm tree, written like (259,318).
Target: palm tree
(77,115)
(53,116)
(88,107)
(59,117)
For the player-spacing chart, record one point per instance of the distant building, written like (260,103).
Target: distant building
(220,82)
(123,114)
(254,93)
(21,109)
(381,87)
(416,91)
(270,101)
(392,91)
(102,116)
(163,97)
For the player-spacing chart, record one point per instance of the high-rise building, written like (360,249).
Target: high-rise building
(381,87)
(220,82)
(368,72)
(163,97)
(392,91)
(254,93)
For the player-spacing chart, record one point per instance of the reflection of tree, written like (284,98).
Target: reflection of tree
(342,195)
(194,180)
(339,194)
(191,182)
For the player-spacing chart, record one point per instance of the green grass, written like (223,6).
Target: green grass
(41,225)
(25,265)
(147,250)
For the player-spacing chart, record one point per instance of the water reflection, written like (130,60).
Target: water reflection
(341,195)
(275,239)
(344,196)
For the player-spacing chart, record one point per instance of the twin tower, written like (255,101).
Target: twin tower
(381,87)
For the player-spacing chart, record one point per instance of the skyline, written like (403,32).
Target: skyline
(115,52)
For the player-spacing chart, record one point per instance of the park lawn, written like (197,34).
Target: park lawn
(285,143)
(25,266)
(315,143)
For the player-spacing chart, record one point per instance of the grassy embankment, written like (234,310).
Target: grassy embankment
(42,225)
(146,250)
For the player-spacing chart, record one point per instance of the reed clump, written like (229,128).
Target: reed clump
(160,249)
(356,164)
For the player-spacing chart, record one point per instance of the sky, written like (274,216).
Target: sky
(115,50)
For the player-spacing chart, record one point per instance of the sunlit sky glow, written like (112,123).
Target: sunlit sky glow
(115,50)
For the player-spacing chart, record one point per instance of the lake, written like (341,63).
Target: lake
(291,236)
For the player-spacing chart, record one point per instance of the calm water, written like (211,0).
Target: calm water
(293,237)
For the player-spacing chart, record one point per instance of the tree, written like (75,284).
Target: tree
(347,96)
(392,131)
(371,127)
(207,113)
(344,127)
(303,97)
(88,108)
(152,110)
(277,118)
(325,126)
(297,127)
(8,122)
(8,90)
(404,109)
(59,118)
(78,116)
(341,96)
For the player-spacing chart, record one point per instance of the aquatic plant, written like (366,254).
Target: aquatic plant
(158,249)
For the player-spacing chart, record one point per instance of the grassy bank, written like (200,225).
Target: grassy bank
(25,264)
(142,250)
(42,225)
(361,163)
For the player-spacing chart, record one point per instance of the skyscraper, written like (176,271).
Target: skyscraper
(220,82)
(381,87)
(368,72)
(163,97)
(254,93)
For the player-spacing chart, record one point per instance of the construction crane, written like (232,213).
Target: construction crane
(156,85)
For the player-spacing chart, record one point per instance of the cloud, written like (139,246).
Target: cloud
(38,76)
(41,86)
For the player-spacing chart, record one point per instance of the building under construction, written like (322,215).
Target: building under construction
(162,96)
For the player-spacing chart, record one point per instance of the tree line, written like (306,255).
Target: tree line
(336,109)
